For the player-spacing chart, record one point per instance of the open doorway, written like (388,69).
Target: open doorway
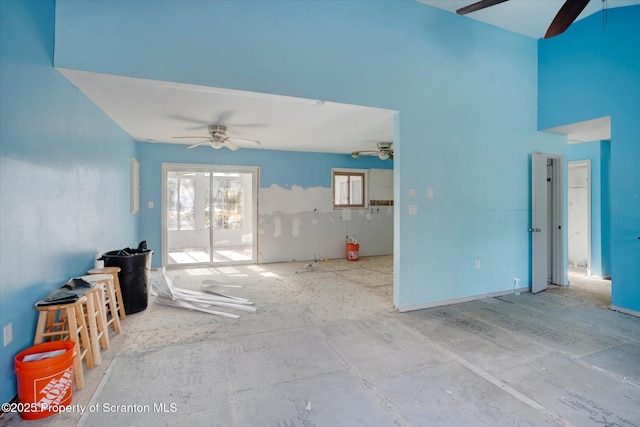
(587,201)
(588,143)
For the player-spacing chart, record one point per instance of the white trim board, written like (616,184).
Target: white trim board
(406,308)
(625,310)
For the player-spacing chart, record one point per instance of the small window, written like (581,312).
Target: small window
(348,189)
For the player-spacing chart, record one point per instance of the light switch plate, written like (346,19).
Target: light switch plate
(412,193)
(430,193)
(8,334)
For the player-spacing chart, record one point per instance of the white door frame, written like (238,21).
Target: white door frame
(540,229)
(587,163)
(254,170)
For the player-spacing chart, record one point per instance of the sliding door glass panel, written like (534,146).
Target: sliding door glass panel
(209,215)
(232,217)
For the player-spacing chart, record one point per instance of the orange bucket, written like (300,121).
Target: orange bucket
(353,251)
(45,385)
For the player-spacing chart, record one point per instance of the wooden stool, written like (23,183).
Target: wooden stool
(116,285)
(70,324)
(97,321)
(109,301)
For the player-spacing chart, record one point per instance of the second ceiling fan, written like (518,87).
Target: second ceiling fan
(568,13)
(384,151)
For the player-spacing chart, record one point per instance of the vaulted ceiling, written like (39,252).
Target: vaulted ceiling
(528,17)
(153,111)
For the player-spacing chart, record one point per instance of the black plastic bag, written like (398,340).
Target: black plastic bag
(68,293)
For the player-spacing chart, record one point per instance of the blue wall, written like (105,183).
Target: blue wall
(598,154)
(64,177)
(282,168)
(466,93)
(588,73)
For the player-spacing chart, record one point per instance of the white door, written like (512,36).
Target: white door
(539,219)
(548,260)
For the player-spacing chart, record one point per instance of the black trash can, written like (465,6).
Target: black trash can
(135,266)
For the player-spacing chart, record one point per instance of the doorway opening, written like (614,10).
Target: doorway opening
(209,215)
(588,141)
(587,283)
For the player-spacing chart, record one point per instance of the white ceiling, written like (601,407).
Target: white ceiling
(589,130)
(528,17)
(156,111)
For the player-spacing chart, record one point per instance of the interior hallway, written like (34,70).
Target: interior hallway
(591,290)
(326,348)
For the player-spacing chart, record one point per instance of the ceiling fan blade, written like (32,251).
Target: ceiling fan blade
(230,145)
(565,17)
(357,154)
(233,138)
(197,145)
(482,4)
(190,137)
(188,119)
(224,117)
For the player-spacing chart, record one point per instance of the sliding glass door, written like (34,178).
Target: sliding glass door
(209,215)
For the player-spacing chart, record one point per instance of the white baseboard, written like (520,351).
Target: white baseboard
(625,310)
(405,308)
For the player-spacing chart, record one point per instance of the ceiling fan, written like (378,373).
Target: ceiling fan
(566,15)
(384,151)
(218,138)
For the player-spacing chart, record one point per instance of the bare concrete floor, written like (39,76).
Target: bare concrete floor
(590,290)
(327,348)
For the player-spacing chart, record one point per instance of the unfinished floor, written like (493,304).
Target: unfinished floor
(327,348)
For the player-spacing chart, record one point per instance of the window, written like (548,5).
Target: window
(348,189)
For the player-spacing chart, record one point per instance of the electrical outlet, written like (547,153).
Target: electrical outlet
(8,334)
(478,264)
